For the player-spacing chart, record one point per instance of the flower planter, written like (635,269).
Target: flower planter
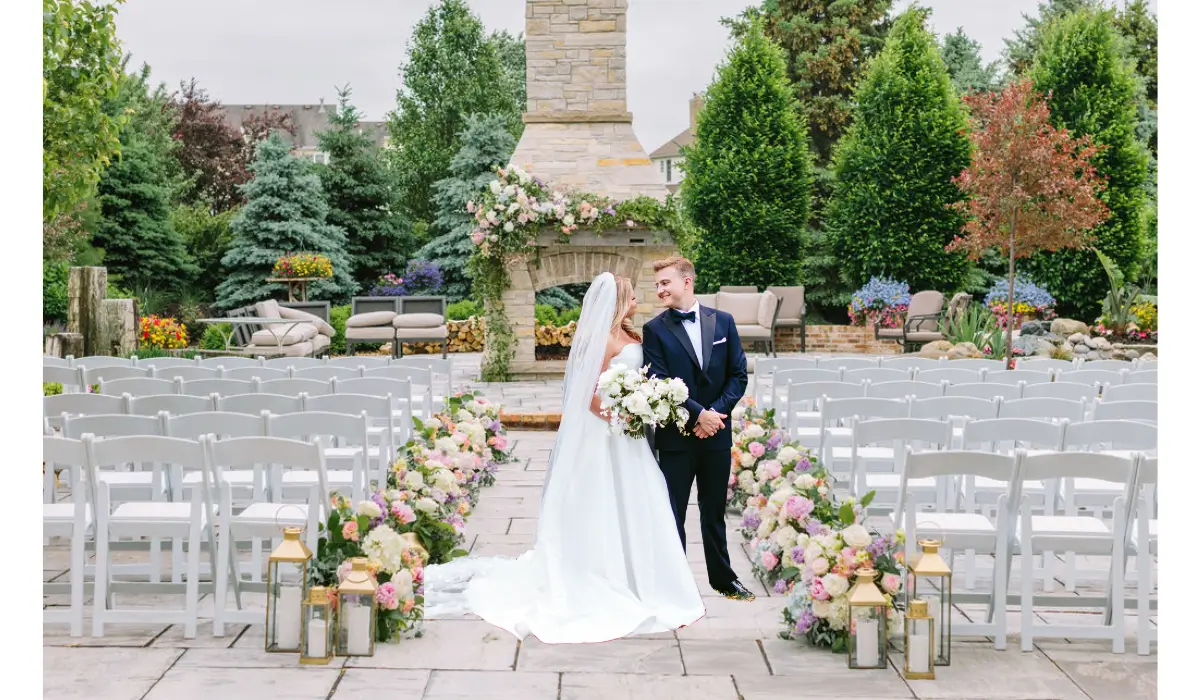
(296,284)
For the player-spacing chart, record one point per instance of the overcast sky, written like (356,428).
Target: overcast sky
(296,51)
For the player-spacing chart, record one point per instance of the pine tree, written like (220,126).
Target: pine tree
(1092,90)
(1019,52)
(749,177)
(890,213)
(961,55)
(285,212)
(486,145)
(358,189)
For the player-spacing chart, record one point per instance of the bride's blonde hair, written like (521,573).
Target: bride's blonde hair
(624,295)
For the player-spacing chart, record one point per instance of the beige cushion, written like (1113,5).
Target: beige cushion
(895,333)
(709,300)
(321,344)
(925,337)
(415,334)
(371,333)
(371,318)
(304,349)
(418,321)
(743,307)
(753,332)
(271,334)
(924,303)
(268,309)
(793,303)
(296,314)
(766,309)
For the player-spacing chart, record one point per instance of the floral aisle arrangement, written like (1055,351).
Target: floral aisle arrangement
(162,333)
(1030,301)
(818,598)
(751,427)
(881,299)
(303,266)
(634,401)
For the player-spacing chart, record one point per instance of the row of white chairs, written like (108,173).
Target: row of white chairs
(1016,530)
(437,364)
(850,362)
(99,517)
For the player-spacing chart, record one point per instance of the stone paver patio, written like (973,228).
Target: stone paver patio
(733,653)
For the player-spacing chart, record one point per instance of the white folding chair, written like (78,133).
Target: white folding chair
(401,392)
(133,485)
(1130,392)
(1143,376)
(967,531)
(157,363)
(79,405)
(980,390)
(257,403)
(188,521)
(904,389)
(900,436)
(763,376)
(877,375)
(98,361)
(847,363)
(231,362)
(1071,391)
(953,375)
(1095,376)
(1078,534)
(250,373)
(417,377)
(138,386)
(98,375)
(836,431)
(52,361)
(251,484)
(802,404)
(349,434)
(354,361)
(72,521)
(382,430)
(1143,540)
(262,520)
(1016,376)
(913,362)
(220,387)
(1108,365)
(978,363)
(440,368)
(67,376)
(955,410)
(185,373)
(175,404)
(777,396)
(325,373)
(1039,363)
(293,362)
(1045,409)
(294,387)
(1126,410)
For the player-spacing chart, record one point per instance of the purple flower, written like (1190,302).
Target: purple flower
(781,586)
(803,464)
(750,520)
(798,508)
(798,555)
(813,528)
(495,426)
(774,441)
(806,621)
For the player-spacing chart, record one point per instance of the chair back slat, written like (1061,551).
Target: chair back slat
(250,373)
(1126,410)
(113,425)
(902,389)
(139,386)
(877,375)
(950,374)
(1071,391)
(295,387)
(223,424)
(946,407)
(1016,376)
(220,387)
(186,373)
(96,375)
(175,404)
(1045,409)
(327,372)
(1021,432)
(1118,434)
(255,404)
(1130,392)
(981,390)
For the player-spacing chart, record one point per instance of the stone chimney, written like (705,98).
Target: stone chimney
(696,104)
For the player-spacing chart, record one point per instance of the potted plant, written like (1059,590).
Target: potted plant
(1030,302)
(881,300)
(296,270)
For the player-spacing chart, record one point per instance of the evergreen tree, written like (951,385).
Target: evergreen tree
(1019,52)
(749,176)
(486,145)
(453,70)
(1092,89)
(961,55)
(285,212)
(891,209)
(358,188)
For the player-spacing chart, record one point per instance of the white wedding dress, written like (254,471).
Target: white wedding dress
(607,562)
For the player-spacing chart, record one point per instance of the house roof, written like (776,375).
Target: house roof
(309,119)
(671,149)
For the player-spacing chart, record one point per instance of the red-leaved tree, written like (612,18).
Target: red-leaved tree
(1030,186)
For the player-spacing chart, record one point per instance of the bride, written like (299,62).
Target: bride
(607,561)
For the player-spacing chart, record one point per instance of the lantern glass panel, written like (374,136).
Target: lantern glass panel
(868,637)
(356,624)
(918,648)
(285,595)
(318,632)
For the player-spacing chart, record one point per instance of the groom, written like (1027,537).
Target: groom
(700,346)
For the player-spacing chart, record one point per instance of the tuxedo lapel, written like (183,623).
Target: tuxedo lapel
(682,336)
(708,332)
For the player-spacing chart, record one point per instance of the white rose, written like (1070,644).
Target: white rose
(785,537)
(508,227)
(745,478)
(835,585)
(765,527)
(805,481)
(802,540)
(443,479)
(426,505)
(812,553)
(494,186)
(431,423)
(778,497)
(404,584)
(821,609)
(370,509)
(754,431)
(738,413)
(788,454)
(393,495)
(569,220)
(414,481)
(747,460)
(856,536)
(446,444)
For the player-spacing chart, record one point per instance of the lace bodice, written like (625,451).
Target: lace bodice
(630,356)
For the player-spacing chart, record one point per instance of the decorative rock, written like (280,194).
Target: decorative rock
(1103,344)
(1076,338)
(1148,357)
(966,350)
(1092,355)
(1080,349)
(936,348)
(1044,347)
(1067,327)
(1091,343)
(1127,354)
(958,304)
(1033,328)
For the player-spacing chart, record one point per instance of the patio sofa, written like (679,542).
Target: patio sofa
(309,338)
(396,320)
(754,314)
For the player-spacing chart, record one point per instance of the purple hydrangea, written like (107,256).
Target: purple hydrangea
(806,621)
(774,441)
(803,464)
(798,555)
(813,528)
(750,520)
(781,586)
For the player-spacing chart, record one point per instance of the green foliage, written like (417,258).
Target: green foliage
(207,237)
(487,144)
(547,315)
(975,325)
(358,188)
(462,310)
(1117,307)
(214,336)
(891,210)
(961,55)
(1092,90)
(1019,52)
(749,175)
(54,292)
(81,60)
(337,319)
(452,70)
(285,212)
(556,297)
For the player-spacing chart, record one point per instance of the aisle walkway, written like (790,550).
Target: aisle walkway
(734,652)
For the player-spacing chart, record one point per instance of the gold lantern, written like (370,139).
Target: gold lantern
(287,583)
(918,642)
(868,623)
(931,574)
(356,611)
(318,627)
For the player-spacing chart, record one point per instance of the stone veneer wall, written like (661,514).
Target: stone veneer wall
(834,339)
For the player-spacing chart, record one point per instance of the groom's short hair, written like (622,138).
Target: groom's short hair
(680,263)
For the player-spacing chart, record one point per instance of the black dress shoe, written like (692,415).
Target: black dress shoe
(736,591)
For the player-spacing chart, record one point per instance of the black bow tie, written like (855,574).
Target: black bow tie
(683,315)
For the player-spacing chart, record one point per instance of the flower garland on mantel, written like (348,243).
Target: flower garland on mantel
(511,213)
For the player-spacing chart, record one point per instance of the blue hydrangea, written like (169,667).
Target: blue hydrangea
(1024,290)
(881,293)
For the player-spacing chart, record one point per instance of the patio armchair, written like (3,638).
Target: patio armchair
(792,310)
(922,322)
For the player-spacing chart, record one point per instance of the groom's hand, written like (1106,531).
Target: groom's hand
(709,422)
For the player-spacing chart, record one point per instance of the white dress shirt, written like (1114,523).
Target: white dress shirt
(693,331)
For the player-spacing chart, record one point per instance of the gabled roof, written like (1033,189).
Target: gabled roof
(671,149)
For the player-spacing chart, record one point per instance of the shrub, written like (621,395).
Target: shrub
(1029,299)
(882,299)
(54,292)
(462,310)
(214,336)
(51,388)
(163,333)
(545,315)
(337,319)
(565,316)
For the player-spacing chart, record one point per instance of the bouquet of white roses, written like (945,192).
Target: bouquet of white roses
(634,400)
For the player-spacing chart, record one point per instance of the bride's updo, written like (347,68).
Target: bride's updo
(624,296)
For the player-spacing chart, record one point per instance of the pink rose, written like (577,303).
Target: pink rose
(773,469)
(403,512)
(891,583)
(418,574)
(385,595)
(817,590)
(820,567)
(344,569)
(350,530)
(769,560)
(757,449)
(408,605)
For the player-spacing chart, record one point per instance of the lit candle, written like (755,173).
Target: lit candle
(287,618)
(935,612)
(358,639)
(867,642)
(918,652)
(316,639)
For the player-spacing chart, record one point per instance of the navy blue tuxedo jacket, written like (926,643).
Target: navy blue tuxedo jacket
(719,385)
